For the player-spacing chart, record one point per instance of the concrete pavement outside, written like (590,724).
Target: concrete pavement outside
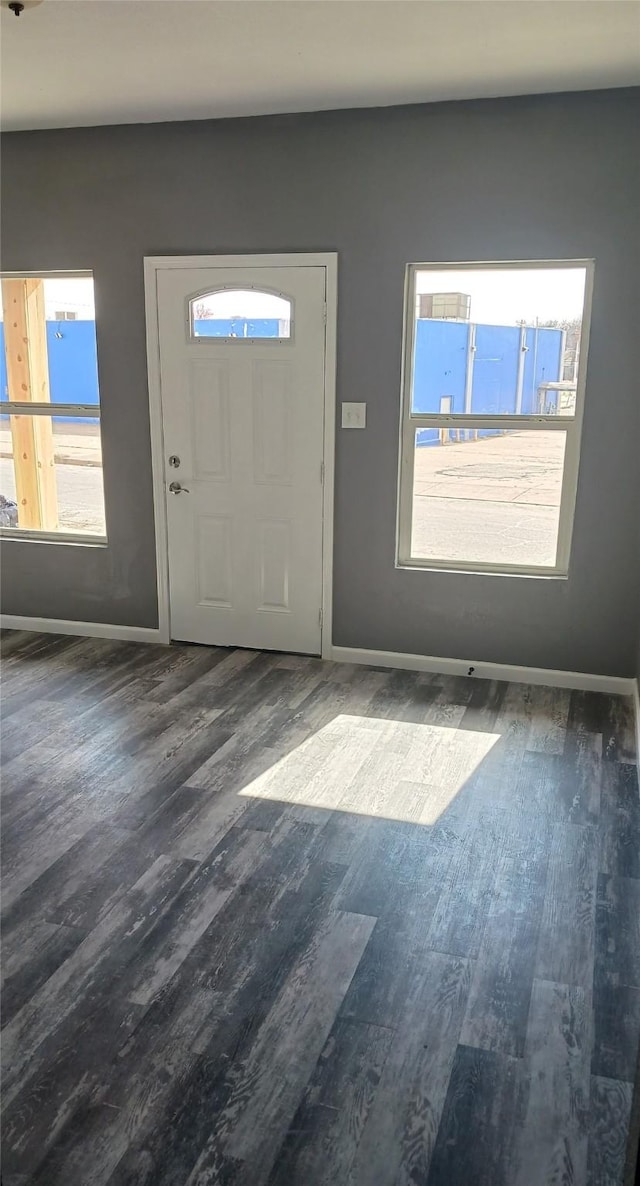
(78,458)
(492,500)
(495,499)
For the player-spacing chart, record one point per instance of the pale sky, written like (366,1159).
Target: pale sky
(498,296)
(74,295)
(505,296)
(245,303)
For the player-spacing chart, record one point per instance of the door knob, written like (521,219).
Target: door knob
(177,488)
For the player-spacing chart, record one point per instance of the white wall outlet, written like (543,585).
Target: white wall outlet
(354,415)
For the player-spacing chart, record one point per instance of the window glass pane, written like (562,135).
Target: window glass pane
(497,341)
(61,323)
(68,449)
(240,313)
(487,497)
(50,466)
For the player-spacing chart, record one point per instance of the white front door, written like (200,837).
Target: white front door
(242,372)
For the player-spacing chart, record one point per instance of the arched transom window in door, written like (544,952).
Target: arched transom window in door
(240,315)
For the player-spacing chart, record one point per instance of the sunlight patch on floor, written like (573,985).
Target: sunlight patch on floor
(376,767)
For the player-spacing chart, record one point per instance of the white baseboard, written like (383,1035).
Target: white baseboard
(578,680)
(85,629)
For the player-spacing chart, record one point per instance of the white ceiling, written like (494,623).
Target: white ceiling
(84,62)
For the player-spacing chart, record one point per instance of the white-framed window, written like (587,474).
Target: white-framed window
(51,482)
(493,387)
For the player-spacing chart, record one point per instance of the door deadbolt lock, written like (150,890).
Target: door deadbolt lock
(174,461)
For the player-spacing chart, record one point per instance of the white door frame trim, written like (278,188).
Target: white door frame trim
(157,263)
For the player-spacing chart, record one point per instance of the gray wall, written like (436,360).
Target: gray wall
(546,177)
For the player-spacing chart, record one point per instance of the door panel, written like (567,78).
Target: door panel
(245,417)
(213,561)
(272,423)
(274,549)
(210,420)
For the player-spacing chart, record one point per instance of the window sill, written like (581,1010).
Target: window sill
(53,537)
(469,570)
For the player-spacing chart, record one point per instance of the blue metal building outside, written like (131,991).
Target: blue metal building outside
(459,366)
(488,370)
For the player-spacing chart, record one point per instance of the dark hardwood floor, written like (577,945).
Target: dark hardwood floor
(276,922)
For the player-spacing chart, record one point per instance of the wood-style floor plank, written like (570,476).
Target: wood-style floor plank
(498,1008)
(567,929)
(34,1031)
(398,1139)
(481,1120)
(551,1145)
(608,1128)
(620,831)
(269,920)
(326,1130)
(461,915)
(264,1095)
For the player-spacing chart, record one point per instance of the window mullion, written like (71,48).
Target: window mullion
(16,408)
(446,420)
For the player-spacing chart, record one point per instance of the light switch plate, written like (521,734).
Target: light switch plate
(354,415)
